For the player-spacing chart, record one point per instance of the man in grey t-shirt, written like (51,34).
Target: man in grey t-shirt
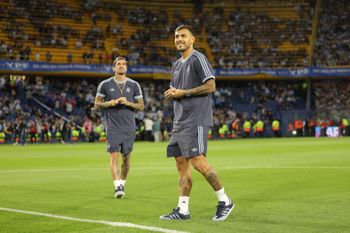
(120,97)
(191,86)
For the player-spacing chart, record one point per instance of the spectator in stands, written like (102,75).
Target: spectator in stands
(2,83)
(20,132)
(78,43)
(33,132)
(85,57)
(69,57)
(37,56)
(100,58)
(69,105)
(148,128)
(156,130)
(44,132)
(2,126)
(9,132)
(107,58)
(117,29)
(90,57)
(62,129)
(48,56)
(88,127)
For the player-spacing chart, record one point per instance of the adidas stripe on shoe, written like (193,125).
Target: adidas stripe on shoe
(223,211)
(175,215)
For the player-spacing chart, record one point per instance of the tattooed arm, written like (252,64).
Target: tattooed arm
(206,88)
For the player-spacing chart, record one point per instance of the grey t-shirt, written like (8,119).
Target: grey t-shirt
(187,74)
(120,118)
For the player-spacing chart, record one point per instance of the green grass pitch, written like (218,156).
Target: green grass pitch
(278,185)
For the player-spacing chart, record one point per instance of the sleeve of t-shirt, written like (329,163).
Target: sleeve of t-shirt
(138,91)
(101,90)
(171,85)
(203,68)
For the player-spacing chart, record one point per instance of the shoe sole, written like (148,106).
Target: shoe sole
(163,218)
(119,195)
(224,217)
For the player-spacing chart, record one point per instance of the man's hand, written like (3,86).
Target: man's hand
(123,100)
(173,93)
(169,93)
(138,105)
(178,93)
(112,103)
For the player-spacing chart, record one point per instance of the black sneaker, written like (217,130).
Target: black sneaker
(223,211)
(119,192)
(175,215)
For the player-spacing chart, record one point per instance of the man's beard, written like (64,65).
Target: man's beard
(182,49)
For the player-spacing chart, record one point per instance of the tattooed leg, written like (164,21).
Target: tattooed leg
(201,164)
(125,167)
(185,176)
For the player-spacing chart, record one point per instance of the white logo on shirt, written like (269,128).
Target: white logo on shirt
(127,89)
(112,89)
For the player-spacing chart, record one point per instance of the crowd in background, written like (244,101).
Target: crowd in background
(331,99)
(38,109)
(241,109)
(332,46)
(253,39)
(240,38)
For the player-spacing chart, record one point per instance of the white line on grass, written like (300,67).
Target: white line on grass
(267,167)
(163,168)
(76,169)
(51,170)
(114,224)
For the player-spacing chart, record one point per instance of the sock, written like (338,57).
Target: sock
(122,182)
(183,204)
(116,183)
(222,196)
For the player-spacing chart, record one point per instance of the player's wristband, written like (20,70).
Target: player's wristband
(106,104)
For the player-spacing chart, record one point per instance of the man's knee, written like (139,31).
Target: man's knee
(182,163)
(200,163)
(114,156)
(126,158)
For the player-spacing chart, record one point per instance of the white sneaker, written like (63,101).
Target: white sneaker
(119,192)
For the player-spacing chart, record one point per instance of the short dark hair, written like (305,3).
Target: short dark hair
(119,58)
(184,26)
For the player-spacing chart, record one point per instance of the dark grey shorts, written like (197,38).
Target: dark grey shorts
(122,142)
(188,142)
